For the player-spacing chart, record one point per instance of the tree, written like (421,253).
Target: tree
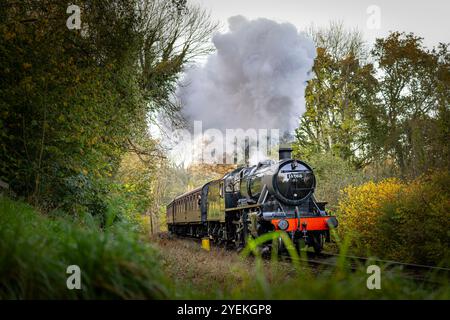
(392,114)
(341,86)
(410,121)
(338,41)
(173,34)
(74,101)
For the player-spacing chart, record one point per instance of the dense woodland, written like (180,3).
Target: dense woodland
(75,106)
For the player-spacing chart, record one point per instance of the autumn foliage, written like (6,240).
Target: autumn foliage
(406,221)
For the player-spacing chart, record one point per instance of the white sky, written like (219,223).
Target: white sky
(428,19)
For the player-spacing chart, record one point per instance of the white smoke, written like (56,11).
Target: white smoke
(255,79)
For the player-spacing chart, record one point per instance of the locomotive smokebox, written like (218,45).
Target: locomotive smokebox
(285,152)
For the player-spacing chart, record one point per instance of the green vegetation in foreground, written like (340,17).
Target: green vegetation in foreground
(36,249)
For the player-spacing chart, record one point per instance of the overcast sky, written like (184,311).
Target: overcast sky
(428,19)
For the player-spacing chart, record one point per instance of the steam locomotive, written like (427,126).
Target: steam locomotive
(253,200)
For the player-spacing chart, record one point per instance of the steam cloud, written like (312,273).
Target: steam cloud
(255,79)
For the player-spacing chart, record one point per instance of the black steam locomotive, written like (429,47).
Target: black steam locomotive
(251,201)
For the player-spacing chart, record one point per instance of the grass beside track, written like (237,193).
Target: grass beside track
(118,263)
(221,273)
(36,249)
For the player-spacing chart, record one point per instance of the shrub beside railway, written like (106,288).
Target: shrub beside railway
(404,221)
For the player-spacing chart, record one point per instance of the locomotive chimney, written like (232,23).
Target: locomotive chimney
(285,152)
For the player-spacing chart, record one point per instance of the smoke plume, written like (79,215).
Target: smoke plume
(255,79)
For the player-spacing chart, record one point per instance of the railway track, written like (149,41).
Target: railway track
(418,272)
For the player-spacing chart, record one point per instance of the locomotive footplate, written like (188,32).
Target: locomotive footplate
(321,223)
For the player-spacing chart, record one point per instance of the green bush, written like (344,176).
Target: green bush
(35,251)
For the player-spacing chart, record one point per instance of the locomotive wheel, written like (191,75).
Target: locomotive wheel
(318,241)
(242,232)
(239,237)
(278,246)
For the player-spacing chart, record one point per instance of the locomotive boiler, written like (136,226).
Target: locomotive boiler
(253,200)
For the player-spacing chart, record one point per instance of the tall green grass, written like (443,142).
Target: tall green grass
(207,276)
(342,281)
(35,251)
